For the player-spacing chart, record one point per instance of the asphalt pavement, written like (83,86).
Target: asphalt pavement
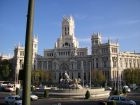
(69,101)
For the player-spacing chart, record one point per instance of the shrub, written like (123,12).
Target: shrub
(46,93)
(32,88)
(87,95)
(111,103)
(17,91)
(102,103)
(116,92)
(124,91)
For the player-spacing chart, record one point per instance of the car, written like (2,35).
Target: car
(133,86)
(5,83)
(127,88)
(33,97)
(121,100)
(9,88)
(9,100)
(18,102)
(108,88)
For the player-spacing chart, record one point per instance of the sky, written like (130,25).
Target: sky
(115,19)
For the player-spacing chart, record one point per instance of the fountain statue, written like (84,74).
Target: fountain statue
(71,88)
(67,83)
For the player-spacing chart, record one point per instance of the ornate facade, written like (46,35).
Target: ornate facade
(66,56)
(19,56)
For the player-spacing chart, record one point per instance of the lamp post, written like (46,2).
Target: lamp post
(118,74)
(28,55)
(115,81)
(90,74)
(82,71)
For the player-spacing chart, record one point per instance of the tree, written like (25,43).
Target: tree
(131,76)
(98,77)
(94,72)
(6,70)
(40,77)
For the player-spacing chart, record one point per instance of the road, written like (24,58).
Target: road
(63,101)
(53,101)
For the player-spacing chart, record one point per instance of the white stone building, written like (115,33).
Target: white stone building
(5,57)
(66,56)
(19,56)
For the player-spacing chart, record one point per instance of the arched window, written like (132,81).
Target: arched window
(64,67)
(66,44)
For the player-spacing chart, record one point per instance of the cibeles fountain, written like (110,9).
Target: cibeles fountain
(67,83)
(72,89)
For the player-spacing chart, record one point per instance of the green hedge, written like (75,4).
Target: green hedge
(46,93)
(87,95)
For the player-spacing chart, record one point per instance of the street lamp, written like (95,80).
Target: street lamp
(82,67)
(90,74)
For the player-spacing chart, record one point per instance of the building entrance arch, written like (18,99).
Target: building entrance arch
(63,68)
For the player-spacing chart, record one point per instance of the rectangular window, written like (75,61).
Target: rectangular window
(78,65)
(79,75)
(72,75)
(72,65)
(84,76)
(96,65)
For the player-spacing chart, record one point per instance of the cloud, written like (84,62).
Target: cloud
(124,37)
(87,17)
(118,24)
(85,42)
(127,22)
